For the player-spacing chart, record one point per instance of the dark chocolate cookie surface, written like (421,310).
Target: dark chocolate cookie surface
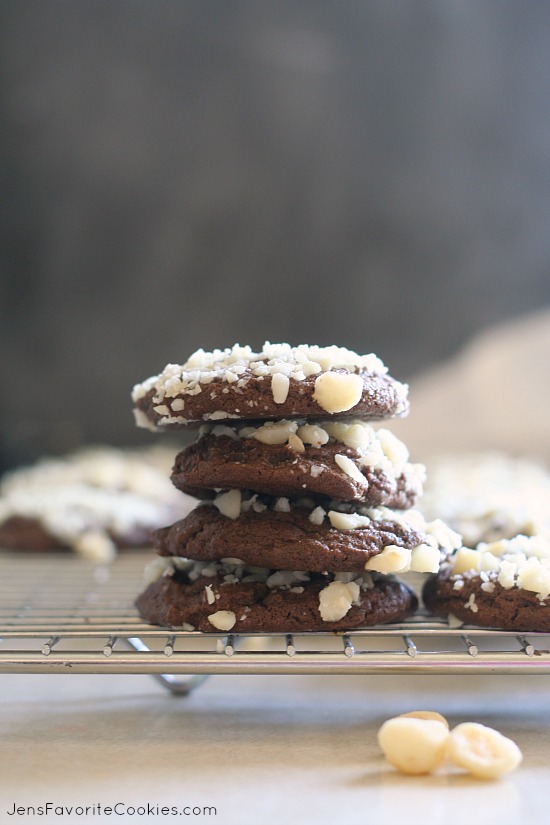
(292,469)
(299,538)
(267,603)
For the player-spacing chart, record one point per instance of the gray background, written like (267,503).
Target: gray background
(195,173)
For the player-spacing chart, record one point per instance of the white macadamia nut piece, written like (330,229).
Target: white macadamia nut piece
(313,434)
(222,619)
(348,521)
(338,391)
(466,559)
(317,516)
(350,468)
(392,559)
(336,599)
(274,432)
(413,746)
(425,714)
(229,504)
(425,559)
(482,751)
(280,385)
(295,443)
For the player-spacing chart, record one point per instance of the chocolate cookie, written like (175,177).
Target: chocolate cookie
(279,382)
(487,496)
(92,501)
(31,535)
(503,585)
(291,537)
(230,597)
(285,459)
(28,534)
(91,522)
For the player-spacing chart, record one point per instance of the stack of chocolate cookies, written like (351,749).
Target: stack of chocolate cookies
(305,508)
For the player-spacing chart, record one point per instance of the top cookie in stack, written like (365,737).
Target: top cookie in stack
(279,382)
(306,507)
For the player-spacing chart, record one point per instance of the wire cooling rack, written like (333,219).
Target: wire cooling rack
(62,614)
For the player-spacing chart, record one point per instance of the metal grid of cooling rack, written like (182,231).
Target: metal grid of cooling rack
(61,614)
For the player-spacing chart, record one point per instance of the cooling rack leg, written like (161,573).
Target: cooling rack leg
(178,685)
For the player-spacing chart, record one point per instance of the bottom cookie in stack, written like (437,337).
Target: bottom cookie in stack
(272,565)
(229,595)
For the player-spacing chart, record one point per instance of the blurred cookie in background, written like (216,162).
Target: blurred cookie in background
(93,501)
(487,496)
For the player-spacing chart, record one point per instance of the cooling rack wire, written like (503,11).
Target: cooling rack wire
(62,614)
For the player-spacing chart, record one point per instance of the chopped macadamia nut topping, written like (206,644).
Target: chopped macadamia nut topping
(280,385)
(425,559)
(282,505)
(317,516)
(255,504)
(162,409)
(471,603)
(348,521)
(229,504)
(240,363)
(296,444)
(336,599)
(286,579)
(391,559)
(338,392)
(230,570)
(350,468)
(274,432)
(522,562)
(143,421)
(219,429)
(375,449)
(466,559)
(222,619)
(436,534)
(313,434)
